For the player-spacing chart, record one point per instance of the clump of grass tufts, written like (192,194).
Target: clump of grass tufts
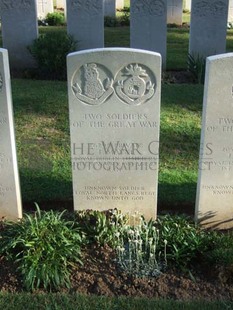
(196,66)
(44,246)
(102,227)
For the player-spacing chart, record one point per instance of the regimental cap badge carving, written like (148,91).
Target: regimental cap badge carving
(93,84)
(136,86)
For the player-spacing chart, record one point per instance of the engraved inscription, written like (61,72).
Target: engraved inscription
(149,7)
(92,84)
(215,8)
(173,6)
(115,193)
(3,120)
(115,120)
(218,189)
(91,7)
(1,82)
(4,190)
(5,161)
(134,85)
(13,4)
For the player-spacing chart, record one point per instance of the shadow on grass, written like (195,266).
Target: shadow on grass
(176,198)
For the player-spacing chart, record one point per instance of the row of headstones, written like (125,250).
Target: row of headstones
(174,8)
(47,6)
(85,23)
(114,104)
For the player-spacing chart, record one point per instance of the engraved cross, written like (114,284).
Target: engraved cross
(173,5)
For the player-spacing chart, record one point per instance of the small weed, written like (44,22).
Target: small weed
(196,66)
(186,242)
(102,228)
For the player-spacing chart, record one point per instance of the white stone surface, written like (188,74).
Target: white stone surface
(10,197)
(187,4)
(230,11)
(44,7)
(85,22)
(148,26)
(208,27)
(214,202)
(114,104)
(120,4)
(174,11)
(110,7)
(19,30)
(60,4)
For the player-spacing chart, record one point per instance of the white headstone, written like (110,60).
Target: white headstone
(230,11)
(44,7)
(174,11)
(187,4)
(114,103)
(60,4)
(85,22)
(208,27)
(10,198)
(110,7)
(120,4)
(214,203)
(19,30)
(148,26)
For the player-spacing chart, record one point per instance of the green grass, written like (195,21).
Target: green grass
(78,302)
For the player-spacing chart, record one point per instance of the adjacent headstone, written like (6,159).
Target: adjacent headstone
(230,11)
(19,30)
(114,103)
(60,4)
(120,4)
(174,11)
(44,7)
(110,7)
(10,198)
(187,4)
(214,203)
(85,22)
(148,26)
(208,27)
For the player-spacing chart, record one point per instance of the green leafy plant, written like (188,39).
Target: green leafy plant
(44,246)
(124,19)
(221,254)
(185,241)
(102,228)
(196,66)
(55,19)
(50,51)
(110,21)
